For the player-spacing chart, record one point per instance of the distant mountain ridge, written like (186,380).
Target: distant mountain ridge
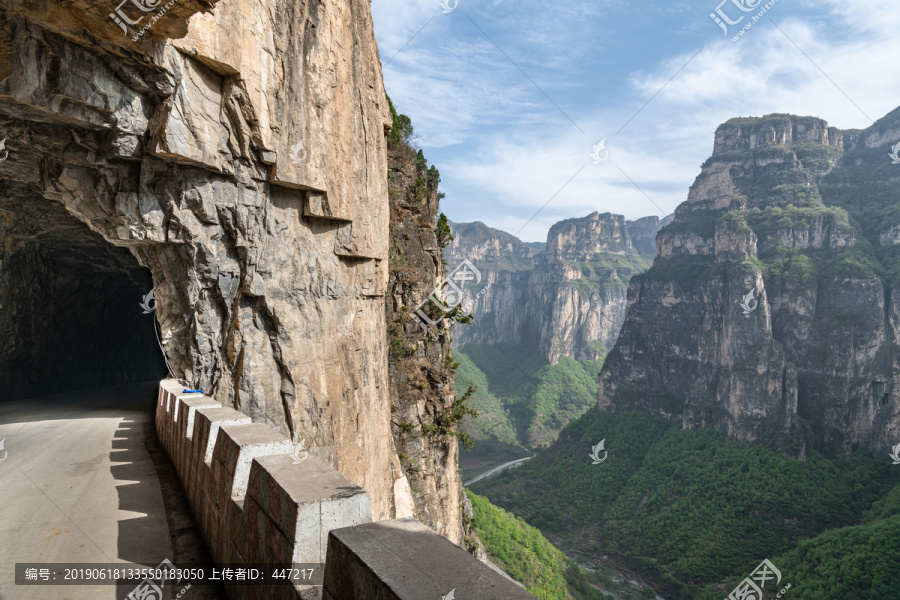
(566,297)
(769,313)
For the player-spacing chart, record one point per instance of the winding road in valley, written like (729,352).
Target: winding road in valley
(496,470)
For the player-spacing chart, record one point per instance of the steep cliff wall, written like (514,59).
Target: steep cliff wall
(420,367)
(238,152)
(769,312)
(569,299)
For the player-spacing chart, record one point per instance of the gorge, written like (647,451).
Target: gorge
(803,214)
(224,199)
(567,299)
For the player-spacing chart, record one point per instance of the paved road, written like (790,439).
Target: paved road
(496,470)
(85,480)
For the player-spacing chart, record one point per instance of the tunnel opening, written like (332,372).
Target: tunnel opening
(74,310)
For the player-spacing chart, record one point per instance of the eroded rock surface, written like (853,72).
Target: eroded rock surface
(769,311)
(421,367)
(237,150)
(567,299)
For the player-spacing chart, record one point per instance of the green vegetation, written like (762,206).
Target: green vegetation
(402,129)
(686,273)
(519,549)
(771,219)
(505,367)
(555,396)
(526,556)
(541,398)
(818,158)
(493,422)
(693,507)
(444,236)
(447,421)
(401,140)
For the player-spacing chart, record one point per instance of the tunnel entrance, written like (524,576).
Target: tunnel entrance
(71,314)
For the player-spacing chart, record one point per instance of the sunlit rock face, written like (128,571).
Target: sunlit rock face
(567,298)
(237,151)
(768,312)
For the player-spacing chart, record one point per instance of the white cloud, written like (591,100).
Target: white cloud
(514,151)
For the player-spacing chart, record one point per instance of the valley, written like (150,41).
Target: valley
(737,427)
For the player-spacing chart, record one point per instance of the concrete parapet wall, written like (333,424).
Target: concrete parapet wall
(256,504)
(405,560)
(253,502)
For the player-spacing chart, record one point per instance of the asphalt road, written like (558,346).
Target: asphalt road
(85,480)
(496,470)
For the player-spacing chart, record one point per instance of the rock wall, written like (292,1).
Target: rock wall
(569,299)
(420,365)
(237,150)
(768,312)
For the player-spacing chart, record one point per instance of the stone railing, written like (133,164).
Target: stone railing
(256,505)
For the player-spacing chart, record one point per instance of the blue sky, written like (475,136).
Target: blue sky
(508,97)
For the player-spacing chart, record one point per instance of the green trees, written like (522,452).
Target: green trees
(401,137)
(402,130)
(696,508)
(540,403)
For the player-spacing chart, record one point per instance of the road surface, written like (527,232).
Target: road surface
(496,470)
(85,480)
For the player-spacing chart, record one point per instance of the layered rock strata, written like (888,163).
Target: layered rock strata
(568,299)
(237,151)
(768,313)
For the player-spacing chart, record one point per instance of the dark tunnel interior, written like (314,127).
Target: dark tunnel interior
(71,315)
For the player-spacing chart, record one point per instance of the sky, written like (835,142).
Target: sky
(509,98)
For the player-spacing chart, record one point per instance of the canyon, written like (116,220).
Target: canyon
(769,312)
(567,299)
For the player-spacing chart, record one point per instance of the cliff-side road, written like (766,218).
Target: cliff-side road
(85,480)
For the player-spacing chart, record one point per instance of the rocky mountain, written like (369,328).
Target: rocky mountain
(567,297)
(233,156)
(769,311)
(420,366)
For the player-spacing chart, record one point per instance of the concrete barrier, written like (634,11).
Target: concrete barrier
(256,504)
(253,503)
(405,560)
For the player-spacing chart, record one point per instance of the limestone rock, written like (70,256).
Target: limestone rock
(421,379)
(237,151)
(767,313)
(568,299)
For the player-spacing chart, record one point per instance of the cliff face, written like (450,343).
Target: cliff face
(768,312)
(569,299)
(238,154)
(422,381)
